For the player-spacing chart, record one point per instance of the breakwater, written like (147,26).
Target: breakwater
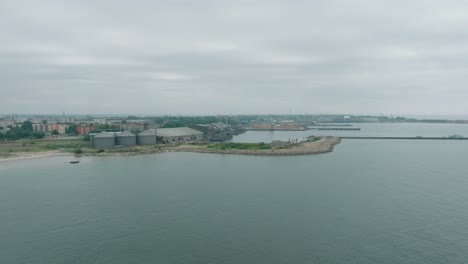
(337,128)
(409,138)
(332,125)
(275,129)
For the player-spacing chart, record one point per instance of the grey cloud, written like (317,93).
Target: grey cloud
(199,57)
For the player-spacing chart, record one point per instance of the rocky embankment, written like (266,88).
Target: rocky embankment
(323,145)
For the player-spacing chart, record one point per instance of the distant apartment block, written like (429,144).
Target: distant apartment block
(61,128)
(85,129)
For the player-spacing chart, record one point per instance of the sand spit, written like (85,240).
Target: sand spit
(34,155)
(324,145)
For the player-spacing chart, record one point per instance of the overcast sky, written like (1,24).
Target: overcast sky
(210,57)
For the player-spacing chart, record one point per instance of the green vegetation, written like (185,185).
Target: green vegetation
(246,146)
(313,139)
(39,145)
(181,121)
(19,132)
(71,130)
(105,127)
(50,147)
(27,126)
(78,151)
(55,132)
(169,122)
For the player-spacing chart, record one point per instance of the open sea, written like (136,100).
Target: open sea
(368,202)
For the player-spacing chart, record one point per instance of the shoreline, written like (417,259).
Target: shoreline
(324,145)
(34,155)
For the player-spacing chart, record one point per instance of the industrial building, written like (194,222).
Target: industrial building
(147,137)
(126,138)
(179,134)
(104,139)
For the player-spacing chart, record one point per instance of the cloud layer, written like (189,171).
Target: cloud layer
(201,57)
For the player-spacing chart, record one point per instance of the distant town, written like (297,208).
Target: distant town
(108,131)
(27,136)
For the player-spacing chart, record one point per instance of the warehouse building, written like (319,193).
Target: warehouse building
(126,138)
(104,139)
(147,137)
(179,135)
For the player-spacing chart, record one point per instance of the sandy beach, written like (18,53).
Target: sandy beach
(34,155)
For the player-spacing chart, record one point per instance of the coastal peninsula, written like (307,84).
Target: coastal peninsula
(314,145)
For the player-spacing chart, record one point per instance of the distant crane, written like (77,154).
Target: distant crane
(219,119)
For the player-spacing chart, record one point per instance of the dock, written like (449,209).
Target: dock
(274,129)
(332,125)
(338,128)
(409,138)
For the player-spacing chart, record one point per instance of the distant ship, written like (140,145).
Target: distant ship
(74,161)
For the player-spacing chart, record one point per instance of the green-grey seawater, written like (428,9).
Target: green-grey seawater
(369,201)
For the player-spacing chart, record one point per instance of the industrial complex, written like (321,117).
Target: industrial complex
(147,137)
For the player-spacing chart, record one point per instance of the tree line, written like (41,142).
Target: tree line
(25,130)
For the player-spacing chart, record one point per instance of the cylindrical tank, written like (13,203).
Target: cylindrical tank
(126,139)
(147,137)
(104,139)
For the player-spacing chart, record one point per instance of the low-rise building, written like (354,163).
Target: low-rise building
(100,121)
(7,122)
(40,127)
(85,129)
(61,128)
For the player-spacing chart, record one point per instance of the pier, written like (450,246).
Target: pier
(338,128)
(332,125)
(410,138)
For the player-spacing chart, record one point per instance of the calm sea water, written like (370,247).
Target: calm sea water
(367,129)
(369,201)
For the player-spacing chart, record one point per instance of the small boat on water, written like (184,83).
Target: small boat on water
(74,161)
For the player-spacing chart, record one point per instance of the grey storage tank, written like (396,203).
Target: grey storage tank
(126,138)
(104,139)
(147,137)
